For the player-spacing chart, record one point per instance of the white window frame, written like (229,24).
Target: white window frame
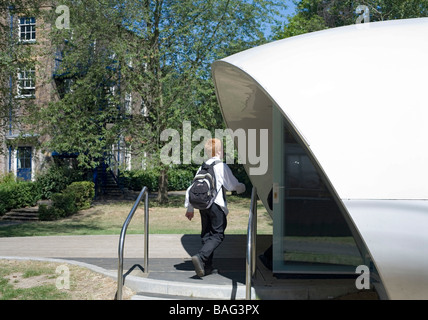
(30,29)
(28,81)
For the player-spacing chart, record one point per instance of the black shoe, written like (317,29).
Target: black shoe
(199,265)
(210,270)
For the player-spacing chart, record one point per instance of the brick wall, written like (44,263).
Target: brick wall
(45,92)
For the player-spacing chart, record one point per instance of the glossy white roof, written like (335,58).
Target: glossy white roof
(358,96)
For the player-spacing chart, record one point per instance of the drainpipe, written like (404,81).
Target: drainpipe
(118,142)
(10,85)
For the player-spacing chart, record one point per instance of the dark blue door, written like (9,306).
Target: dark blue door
(24,163)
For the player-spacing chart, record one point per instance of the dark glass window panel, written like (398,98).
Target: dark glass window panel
(315,236)
(24,158)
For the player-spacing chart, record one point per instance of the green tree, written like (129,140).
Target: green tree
(184,37)
(159,50)
(314,15)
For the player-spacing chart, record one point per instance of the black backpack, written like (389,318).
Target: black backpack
(203,192)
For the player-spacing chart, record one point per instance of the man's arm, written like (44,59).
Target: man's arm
(228,180)
(190,210)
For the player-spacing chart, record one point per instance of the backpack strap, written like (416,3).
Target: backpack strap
(215,180)
(206,166)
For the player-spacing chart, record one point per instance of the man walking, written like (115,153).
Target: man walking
(213,219)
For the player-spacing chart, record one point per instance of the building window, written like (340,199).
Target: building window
(27,29)
(23,163)
(127,152)
(128,103)
(144,109)
(26,83)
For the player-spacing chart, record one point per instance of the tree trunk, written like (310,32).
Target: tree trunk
(163,186)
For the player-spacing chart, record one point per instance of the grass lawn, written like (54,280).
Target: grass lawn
(107,217)
(38,280)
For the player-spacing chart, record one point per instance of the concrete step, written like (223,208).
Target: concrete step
(111,187)
(171,279)
(157,296)
(22,214)
(290,289)
(160,289)
(110,190)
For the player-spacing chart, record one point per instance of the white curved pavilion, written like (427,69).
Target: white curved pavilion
(349,104)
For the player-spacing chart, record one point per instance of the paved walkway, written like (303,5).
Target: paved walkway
(170,268)
(169,257)
(98,246)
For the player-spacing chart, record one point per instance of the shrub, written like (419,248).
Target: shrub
(78,195)
(4,199)
(48,213)
(137,179)
(7,178)
(56,179)
(26,194)
(180,179)
(18,194)
(64,203)
(62,206)
(83,191)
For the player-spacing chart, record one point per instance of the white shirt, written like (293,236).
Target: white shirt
(224,178)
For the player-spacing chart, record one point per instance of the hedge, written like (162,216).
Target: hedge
(178,178)
(18,194)
(63,205)
(67,198)
(77,196)
(137,179)
(56,178)
(83,191)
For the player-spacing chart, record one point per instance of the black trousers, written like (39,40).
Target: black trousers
(214,224)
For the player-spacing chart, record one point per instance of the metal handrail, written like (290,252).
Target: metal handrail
(251,244)
(120,278)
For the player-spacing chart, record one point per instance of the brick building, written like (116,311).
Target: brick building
(36,84)
(25,87)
